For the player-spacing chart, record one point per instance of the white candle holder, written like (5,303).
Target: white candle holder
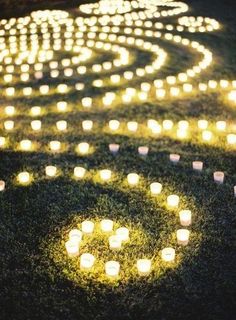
(105,174)
(173,201)
(168,254)
(182,236)
(155,188)
(115,242)
(79,172)
(87,227)
(219,177)
(112,268)
(2,185)
(174,158)
(197,165)
(143,151)
(24,177)
(185,217)
(123,233)
(51,171)
(133,179)
(86,261)
(114,148)
(75,235)
(72,248)
(144,267)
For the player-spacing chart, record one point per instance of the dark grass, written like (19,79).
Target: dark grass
(33,219)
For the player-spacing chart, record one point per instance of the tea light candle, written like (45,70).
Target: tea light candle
(2,142)
(115,242)
(83,148)
(182,236)
(185,217)
(114,125)
(173,201)
(168,254)
(72,248)
(219,177)
(2,185)
(114,148)
(143,150)
(231,138)
(123,233)
(25,145)
(75,235)
(79,172)
(197,165)
(87,125)
(167,124)
(35,111)
(61,125)
(221,125)
(24,177)
(202,124)
(155,188)
(144,267)
(133,179)
(86,261)
(112,268)
(87,102)
(132,126)
(106,225)
(51,171)
(87,227)
(9,125)
(206,135)
(36,125)
(62,106)
(105,174)
(55,145)
(174,158)
(9,110)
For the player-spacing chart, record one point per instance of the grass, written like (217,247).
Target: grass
(37,279)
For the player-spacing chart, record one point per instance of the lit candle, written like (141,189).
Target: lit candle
(87,125)
(25,145)
(72,248)
(9,110)
(167,124)
(133,179)
(123,233)
(105,174)
(36,125)
(87,227)
(168,254)
(155,188)
(112,268)
(9,125)
(2,185)
(24,177)
(144,267)
(197,165)
(174,158)
(106,225)
(83,148)
(86,261)
(87,102)
(219,177)
(221,125)
(206,135)
(231,138)
(79,172)
(61,125)
(75,235)
(132,126)
(202,124)
(143,150)
(62,106)
(114,125)
(51,171)
(114,148)
(173,201)
(55,145)
(35,111)
(115,242)
(2,142)
(185,217)
(182,236)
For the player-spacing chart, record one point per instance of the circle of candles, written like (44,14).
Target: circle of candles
(133,179)
(143,150)
(106,225)
(25,145)
(155,188)
(79,172)
(123,233)
(115,242)
(55,145)
(36,125)
(83,147)
(87,227)
(86,261)
(9,125)
(61,125)
(2,185)
(144,267)
(167,124)
(168,254)
(105,174)
(112,268)
(87,125)
(185,217)
(114,148)
(221,125)
(173,201)
(72,248)
(24,177)
(219,177)
(75,235)
(197,165)
(174,158)
(51,171)
(182,236)
(35,111)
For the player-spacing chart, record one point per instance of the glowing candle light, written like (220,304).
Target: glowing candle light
(51,171)
(143,150)
(87,102)
(167,124)
(79,172)
(55,145)
(83,148)
(112,268)
(87,261)
(61,125)
(123,233)
(62,88)
(25,145)
(202,124)
(44,89)
(144,267)
(173,201)
(207,135)
(106,225)
(155,188)
(174,158)
(197,165)
(9,110)
(87,227)
(24,177)
(105,174)
(75,235)
(182,236)
(115,242)
(36,125)
(2,185)
(9,125)
(221,125)
(87,125)
(114,125)
(35,111)
(219,177)
(231,138)
(2,142)
(62,106)
(72,248)
(133,179)
(185,217)
(132,126)
(114,148)
(168,254)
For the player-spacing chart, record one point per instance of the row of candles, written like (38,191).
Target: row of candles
(116,239)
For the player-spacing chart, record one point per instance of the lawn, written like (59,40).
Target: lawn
(37,278)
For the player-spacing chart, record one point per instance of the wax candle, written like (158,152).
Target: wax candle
(155,188)
(173,201)
(9,125)
(9,110)
(221,125)
(62,106)
(87,102)
(132,126)
(174,158)
(133,179)
(114,148)
(202,124)
(55,145)
(143,150)
(51,171)
(231,138)
(25,145)
(144,267)
(123,233)
(2,142)
(75,235)
(24,177)
(87,261)
(79,172)
(87,125)
(87,227)
(83,148)
(207,135)
(44,89)
(106,225)
(182,236)
(185,217)
(72,248)
(112,268)
(62,88)
(167,124)
(61,125)
(114,125)
(168,254)
(35,111)
(115,242)
(36,125)
(105,174)
(197,165)
(219,177)
(2,185)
